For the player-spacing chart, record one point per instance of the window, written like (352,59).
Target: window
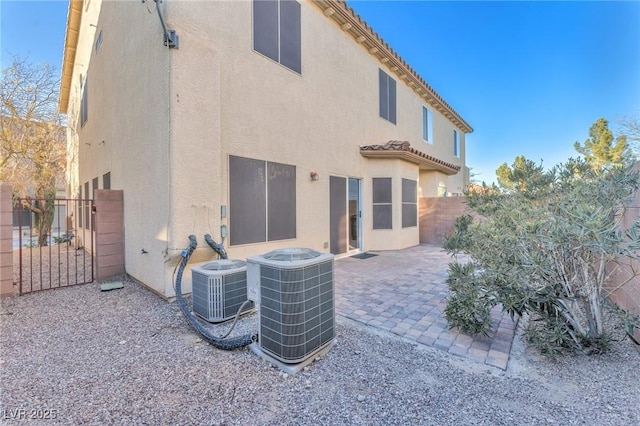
(276,31)
(382,211)
(427,125)
(456,143)
(409,203)
(98,41)
(106,180)
(387,97)
(262,201)
(87,206)
(84,111)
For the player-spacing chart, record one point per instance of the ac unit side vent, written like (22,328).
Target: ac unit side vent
(217,295)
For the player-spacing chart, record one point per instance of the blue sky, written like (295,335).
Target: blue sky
(530,77)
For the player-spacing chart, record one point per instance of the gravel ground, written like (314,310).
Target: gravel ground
(128,357)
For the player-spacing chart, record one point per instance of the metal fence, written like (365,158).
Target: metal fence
(53,243)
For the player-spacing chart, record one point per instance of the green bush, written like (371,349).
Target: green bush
(541,248)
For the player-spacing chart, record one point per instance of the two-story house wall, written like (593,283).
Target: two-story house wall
(273,123)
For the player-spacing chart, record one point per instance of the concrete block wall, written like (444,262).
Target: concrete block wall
(438,217)
(109,226)
(624,287)
(6,241)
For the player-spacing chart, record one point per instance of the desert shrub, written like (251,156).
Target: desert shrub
(542,248)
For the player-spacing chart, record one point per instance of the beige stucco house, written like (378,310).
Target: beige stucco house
(279,123)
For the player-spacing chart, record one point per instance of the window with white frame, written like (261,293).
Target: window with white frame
(456,143)
(427,125)
(387,97)
(277,31)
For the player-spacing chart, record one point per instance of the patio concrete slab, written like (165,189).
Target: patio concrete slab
(404,292)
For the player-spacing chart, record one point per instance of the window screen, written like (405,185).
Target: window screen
(277,31)
(262,201)
(281,201)
(387,89)
(106,180)
(247,201)
(409,203)
(382,205)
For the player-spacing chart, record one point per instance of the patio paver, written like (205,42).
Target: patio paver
(404,292)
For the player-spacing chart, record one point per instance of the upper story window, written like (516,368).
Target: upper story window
(84,110)
(387,97)
(427,125)
(456,143)
(276,31)
(98,41)
(106,180)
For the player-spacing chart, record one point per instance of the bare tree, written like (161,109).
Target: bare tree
(32,138)
(630,127)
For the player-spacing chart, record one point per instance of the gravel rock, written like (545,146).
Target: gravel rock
(62,352)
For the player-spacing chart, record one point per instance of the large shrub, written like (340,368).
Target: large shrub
(541,248)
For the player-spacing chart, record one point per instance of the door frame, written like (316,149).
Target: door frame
(340,238)
(359,227)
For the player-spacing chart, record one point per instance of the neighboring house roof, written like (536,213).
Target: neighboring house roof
(402,150)
(337,10)
(69,56)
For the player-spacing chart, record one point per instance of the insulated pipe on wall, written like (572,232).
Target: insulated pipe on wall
(220,343)
(218,248)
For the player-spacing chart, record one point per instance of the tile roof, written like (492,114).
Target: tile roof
(404,151)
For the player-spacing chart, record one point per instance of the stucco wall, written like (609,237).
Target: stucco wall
(315,121)
(127,130)
(163,122)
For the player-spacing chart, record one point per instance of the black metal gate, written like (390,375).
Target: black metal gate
(53,242)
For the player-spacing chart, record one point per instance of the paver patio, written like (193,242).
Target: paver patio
(404,292)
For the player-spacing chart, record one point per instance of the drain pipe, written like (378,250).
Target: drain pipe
(220,343)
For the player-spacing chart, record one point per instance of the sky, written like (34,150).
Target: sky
(529,77)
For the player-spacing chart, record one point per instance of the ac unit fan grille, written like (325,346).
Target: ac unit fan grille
(297,310)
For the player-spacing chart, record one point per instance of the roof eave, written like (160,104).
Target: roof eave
(352,24)
(421,162)
(74,17)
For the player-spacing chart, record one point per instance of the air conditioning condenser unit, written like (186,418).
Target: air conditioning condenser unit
(219,288)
